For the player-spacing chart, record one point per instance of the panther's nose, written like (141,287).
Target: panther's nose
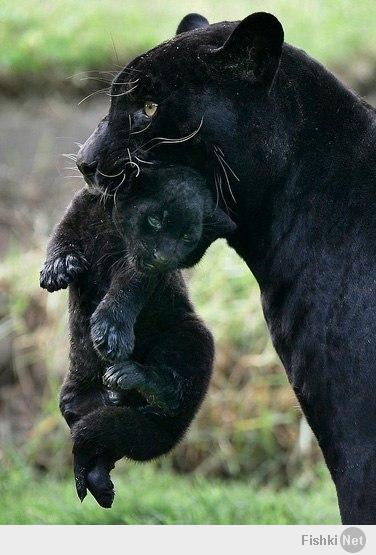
(87,170)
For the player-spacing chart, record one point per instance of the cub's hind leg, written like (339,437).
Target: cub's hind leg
(76,402)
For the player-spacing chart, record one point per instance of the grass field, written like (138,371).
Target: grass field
(145,496)
(68,36)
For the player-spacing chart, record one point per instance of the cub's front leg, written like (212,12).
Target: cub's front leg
(113,321)
(65,259)
(112,326)
(60,269)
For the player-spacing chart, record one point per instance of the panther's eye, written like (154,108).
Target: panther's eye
(187,238)
(154,222)
(150,109)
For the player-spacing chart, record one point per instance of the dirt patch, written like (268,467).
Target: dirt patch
(35,181)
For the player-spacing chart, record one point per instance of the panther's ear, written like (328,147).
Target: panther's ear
(192,21)
(218,224)
(253,50)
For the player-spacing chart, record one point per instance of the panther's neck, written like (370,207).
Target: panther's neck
(331,160)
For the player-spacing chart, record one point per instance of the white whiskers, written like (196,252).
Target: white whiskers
(166,140)
(142,130)
(143,161)
(92,94)
(226,163)
(220,157)
(125,92)
(131,163)
(218,181)
(71,156)
(108,175)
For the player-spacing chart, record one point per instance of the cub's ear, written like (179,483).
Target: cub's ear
(190,22)
(253,50)
(218,224)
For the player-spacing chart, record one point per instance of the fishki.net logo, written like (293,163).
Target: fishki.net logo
(351,540)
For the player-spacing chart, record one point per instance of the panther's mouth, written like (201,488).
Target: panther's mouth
(131,159)
(110,182)
(110,174)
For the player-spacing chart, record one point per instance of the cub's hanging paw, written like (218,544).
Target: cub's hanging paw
(100,485)
(111,333)
(95,478)
(58,272)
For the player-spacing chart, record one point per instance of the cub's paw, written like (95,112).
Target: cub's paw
(126,376)
(161,392)
(100,486)
(112,337)
(57,273)
(95,477)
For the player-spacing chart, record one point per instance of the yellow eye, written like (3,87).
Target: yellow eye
(150,109)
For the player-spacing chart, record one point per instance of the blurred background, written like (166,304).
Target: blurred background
(250,456)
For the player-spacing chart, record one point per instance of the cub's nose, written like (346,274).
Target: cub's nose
(160,261)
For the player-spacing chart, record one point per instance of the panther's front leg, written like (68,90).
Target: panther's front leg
(159,386)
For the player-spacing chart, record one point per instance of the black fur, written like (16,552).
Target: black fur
(173,349)
(188,222)
(302,146)
(124,309)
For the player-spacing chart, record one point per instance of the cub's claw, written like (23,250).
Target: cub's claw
(112,337)
(57,273)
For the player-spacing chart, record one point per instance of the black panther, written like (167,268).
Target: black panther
(121,260)
(291,151)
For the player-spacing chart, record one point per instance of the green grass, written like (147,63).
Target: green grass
(66,36)
(146,496)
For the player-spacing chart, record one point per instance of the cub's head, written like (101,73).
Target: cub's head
(202,99)
(168,218)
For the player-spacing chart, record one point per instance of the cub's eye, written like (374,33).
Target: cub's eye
(150,109)
(187,238)
(154,222)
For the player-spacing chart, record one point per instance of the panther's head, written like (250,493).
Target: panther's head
(202,99)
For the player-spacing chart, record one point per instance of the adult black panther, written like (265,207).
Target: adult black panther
(291,152)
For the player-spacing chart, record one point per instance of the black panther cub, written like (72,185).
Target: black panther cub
(120,260)
(167,223)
